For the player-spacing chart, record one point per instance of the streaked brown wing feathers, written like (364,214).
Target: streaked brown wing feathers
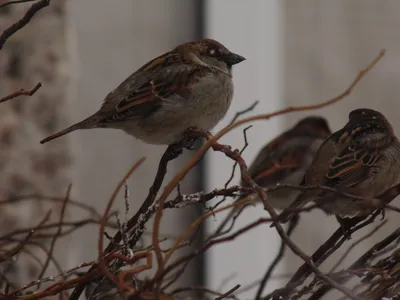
(165,83)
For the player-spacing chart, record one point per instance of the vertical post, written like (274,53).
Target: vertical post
(252,29)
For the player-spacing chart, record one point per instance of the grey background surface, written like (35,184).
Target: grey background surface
(299,52)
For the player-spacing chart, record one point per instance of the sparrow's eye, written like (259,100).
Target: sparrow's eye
(212,52)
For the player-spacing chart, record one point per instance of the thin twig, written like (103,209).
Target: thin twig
(244,111)
(212,243)
(322,253)
(261,193)
(102,263)
(21,92)
(21,245)
(292,225)
(56,235)
(352,246)
(39,197)
(7,33)
(360,262)
(74,224)
(232,290)
(199,289)
(171,153)
(15,2)
(219,230)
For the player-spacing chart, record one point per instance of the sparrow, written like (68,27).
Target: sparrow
(188,87)
(362,159)
(284,160)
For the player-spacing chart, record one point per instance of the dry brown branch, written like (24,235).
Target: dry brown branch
(21,92)
(102,263)
(359,264)
(212,142)
(292,225)
(56,235)
(201,289)
(21,245)
(38,197)
(225,295)
(355,244)
(70,226)
(261,193)
(15,2)
(7,33)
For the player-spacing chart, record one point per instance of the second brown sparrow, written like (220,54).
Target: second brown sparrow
(362,159)
(284,161)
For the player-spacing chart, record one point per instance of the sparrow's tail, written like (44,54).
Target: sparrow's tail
(85,124)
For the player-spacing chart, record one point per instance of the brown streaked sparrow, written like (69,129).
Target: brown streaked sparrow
(190,86)
(362,159)
(284,160)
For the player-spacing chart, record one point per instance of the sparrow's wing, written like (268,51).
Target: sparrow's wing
(314,175)
(154,83)
(352,166)
(278,159)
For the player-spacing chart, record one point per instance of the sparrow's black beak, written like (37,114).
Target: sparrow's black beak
(233,59)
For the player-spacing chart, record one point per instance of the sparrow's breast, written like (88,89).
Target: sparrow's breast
(211,99)
(282,198)
(203,107)
(387,172)
(384,175)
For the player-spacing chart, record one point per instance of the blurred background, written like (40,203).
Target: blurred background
(298,52)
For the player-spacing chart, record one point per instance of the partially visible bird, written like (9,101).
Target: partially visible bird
(190,86)
(362,159)
(284,160)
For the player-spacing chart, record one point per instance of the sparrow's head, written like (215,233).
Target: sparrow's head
(209,51)
(366,115)
(367,127)
(369,120)
(313,125)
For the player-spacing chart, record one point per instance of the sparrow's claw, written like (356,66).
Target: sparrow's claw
(191,135)
(188,143)
(383,213)
(173,151)
(189,138)
(345,227)
(347,233)
(191,147)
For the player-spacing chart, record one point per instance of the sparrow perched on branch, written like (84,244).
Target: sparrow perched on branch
(284,160)
(362,159)
(190,86)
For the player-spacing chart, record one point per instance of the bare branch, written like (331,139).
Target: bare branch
(7,33)
(21,92)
